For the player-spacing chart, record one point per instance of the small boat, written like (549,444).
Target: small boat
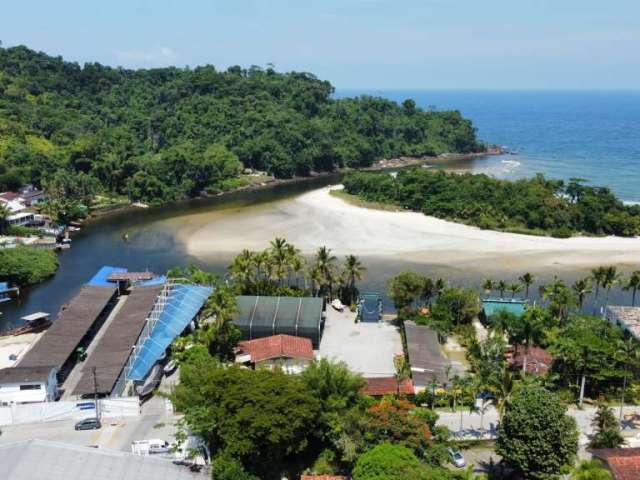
(337,305)
(170,367)
(151,382)
(8,293)
(36,322)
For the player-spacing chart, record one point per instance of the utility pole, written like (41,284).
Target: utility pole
(95,392)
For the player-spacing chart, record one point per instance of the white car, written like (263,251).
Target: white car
(456,458)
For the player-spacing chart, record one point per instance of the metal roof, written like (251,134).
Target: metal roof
(24,374)
(114,347)
(425,357)
(63,336)
(259,316)
(45,460)
(626,317)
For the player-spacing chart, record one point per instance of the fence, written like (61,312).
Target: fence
(68,410)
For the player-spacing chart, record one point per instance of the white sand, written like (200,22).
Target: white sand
(317,218)
(18,346)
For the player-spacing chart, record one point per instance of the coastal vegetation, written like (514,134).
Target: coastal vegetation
(282,270)
(264,424)
(167,133)
(536,205)
(24,265)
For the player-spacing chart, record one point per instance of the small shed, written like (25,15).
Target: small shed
(28,384)
(259,317)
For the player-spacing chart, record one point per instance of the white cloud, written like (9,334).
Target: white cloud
(160,56)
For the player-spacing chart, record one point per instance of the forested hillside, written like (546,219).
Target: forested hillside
(162,134)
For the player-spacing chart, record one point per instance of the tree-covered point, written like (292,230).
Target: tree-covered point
(27,265)
(535,205)
(164,133)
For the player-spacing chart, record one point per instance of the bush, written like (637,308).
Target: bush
(562,232)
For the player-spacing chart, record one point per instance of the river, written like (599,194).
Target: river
(156,243)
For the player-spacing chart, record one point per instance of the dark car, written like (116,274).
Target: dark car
(88,424)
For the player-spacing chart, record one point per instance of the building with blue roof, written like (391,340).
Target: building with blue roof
(491,306)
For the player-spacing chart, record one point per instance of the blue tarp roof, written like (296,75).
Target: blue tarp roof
(184,302)
(100,278)
(153,282)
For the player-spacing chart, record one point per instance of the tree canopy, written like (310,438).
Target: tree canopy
(536,437)
(26,265)
(260,417)
(534,205)
(164,133)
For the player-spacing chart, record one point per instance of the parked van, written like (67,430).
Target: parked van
(150,447)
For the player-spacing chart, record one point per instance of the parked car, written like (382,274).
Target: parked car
(456,458)
(88,424)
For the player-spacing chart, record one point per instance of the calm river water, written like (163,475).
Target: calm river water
(154,245)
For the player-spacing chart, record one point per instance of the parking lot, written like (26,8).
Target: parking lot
(367,348)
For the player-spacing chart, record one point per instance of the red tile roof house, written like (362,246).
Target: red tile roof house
(290,353)
(624,463)
(538,359)
(381,386)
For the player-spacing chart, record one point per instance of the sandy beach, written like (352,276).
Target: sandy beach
(317,218)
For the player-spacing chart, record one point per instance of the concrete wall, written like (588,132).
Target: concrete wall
(288,365)
(68,410)
(36,392)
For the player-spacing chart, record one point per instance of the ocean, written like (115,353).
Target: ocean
(593,135)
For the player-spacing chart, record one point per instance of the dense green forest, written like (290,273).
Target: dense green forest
(167,133)
(535,205)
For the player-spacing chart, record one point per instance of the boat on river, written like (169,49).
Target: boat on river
(34,323)
(8,293)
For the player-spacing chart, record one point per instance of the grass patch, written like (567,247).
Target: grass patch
(359,202)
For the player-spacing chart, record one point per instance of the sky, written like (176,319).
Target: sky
(359,44)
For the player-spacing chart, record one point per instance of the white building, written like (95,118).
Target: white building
(28,385)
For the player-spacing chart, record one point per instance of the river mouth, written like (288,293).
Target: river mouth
(210,232)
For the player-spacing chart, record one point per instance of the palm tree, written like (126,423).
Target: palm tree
(242,269)
(504,385)
(633,284)
(488,285)
(527,280)
(560,298)
(501,287)
(439,286)
(427,291)
(353,270)
(514,288)
(628,353)
(610,278)
(532,322)
(279,258)
(295,262)
(590,470)
(598,277)
(316,278)
(325,263)
(582,288)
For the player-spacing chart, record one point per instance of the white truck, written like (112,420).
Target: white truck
(150,447)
